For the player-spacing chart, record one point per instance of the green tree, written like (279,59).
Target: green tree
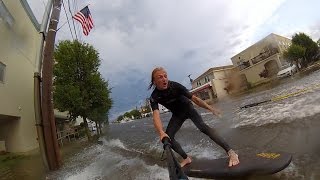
(78,86)
(101,103)
(119,118)
(100,115)
(135,113)
(311,47)
(294,53)
(127,114)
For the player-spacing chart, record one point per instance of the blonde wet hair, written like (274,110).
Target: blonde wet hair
(152,75)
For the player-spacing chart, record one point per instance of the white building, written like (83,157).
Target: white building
(19,48)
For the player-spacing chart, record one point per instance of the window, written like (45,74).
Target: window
(243,65)
(2,69)
(206,79)
(204,95)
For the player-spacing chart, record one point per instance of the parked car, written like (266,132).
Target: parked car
(288,70)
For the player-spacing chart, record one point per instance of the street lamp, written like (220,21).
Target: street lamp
(190,78)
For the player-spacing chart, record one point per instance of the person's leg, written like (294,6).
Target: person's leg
(174,125)
(203,127)
(197,120)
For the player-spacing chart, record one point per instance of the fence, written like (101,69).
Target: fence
(68,134)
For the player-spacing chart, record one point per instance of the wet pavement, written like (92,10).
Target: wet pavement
(132,150)
(27,167)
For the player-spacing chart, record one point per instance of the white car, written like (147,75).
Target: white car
(288,70)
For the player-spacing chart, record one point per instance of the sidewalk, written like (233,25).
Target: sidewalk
(29,166)
(315,66)
(21,166)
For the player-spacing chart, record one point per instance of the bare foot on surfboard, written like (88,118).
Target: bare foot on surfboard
(186,161)
(234,160)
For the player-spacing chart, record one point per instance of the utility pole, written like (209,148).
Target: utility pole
(37,84)
(49,126)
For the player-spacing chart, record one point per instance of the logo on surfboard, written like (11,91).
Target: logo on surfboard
(269,155)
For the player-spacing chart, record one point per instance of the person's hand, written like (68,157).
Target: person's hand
(217,112)
(163,135)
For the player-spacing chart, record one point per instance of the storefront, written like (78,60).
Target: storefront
(205,92)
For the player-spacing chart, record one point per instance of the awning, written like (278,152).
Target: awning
(197,89)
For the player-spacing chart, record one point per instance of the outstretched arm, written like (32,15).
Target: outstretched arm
(158,124)
(203,104)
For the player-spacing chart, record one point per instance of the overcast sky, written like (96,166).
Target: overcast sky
(186,37)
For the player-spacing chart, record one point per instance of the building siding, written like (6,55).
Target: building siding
(19,50)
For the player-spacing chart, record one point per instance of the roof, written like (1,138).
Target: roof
(201,87)
(214,69)
(270,35)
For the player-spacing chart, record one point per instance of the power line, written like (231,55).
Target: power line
(44,4)
(72,20)
(75,7)
(67,19)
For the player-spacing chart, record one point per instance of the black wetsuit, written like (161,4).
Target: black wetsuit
(176,98)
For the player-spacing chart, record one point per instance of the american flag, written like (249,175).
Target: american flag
(85,18)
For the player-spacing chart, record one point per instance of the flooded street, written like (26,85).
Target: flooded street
(133,151)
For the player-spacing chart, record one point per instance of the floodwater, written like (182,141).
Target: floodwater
(132,151)
(27,167)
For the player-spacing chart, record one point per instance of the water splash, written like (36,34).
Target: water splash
(283,111)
